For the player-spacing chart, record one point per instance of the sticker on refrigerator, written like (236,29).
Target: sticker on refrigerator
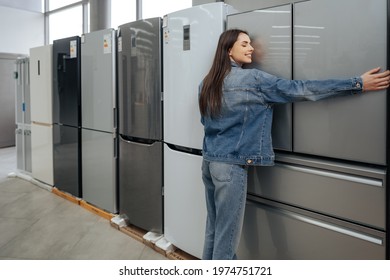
(107,43)
(186,38)
(166,36)
(73,49)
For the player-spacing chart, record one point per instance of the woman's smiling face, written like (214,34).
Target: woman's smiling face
(242,50)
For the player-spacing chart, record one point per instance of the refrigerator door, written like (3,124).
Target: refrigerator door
(190,39)
(99,169)
(19,98)
(139,76)
(184,201)
(271,38)
(66,81)
(41,82)
(26,91)
(275,231)
(42,152)
(354,127)
(98,68)
(141,180)
(22,76)
(66,150)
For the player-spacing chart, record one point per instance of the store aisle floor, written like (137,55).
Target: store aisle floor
(37,224)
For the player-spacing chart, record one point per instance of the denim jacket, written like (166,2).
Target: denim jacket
(242,133)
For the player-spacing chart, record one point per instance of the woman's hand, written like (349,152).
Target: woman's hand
(373,80)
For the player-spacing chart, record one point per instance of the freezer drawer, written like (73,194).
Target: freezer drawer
(184,201)
(99,169)
(354,127)
(19,139)
(271,38)
(141,183)
(349,192)
(23,147)
(276,231)
(42,152)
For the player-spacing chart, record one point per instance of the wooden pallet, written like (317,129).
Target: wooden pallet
(96,210)
(134,232)
(84,204)
(67,196)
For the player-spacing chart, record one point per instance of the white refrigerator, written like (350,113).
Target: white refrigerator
(41,76)
(190,38)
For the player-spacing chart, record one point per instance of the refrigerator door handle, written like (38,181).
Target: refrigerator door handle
(334,175)
(115,118)
(115,147)
(64,58)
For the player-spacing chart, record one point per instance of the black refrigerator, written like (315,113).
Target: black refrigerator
(67,115)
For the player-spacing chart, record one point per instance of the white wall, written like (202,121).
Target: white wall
(20,30)
(30,5)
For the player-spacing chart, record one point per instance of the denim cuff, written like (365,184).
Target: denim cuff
(357,84)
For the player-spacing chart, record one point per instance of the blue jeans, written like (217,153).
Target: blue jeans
(226,186)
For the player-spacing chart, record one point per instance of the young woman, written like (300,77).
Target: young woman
(236,109)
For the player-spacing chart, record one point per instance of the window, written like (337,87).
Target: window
(70,17)
(55,4)
(158,8)
(123,11)
(66,23)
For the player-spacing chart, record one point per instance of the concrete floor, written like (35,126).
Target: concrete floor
(39,225)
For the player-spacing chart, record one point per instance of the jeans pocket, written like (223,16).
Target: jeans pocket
(221,171)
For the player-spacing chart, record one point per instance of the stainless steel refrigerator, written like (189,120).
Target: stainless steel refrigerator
(140,124)
(67,115)
(99,121)
(41,89)
(190,39)
(326,198)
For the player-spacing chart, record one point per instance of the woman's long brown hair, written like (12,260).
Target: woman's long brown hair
(210,99)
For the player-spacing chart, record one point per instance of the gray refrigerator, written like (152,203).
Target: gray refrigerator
(327,197)
(99,121)
(140,124)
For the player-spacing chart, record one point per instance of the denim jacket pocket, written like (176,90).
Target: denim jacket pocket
(221,171)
